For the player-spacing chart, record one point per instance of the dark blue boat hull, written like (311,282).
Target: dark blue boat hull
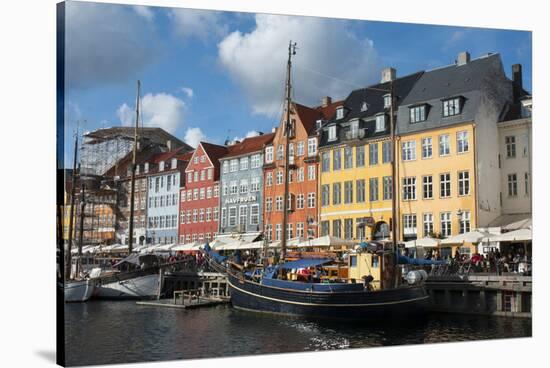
(358,305)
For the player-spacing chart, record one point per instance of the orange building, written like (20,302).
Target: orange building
(302,176)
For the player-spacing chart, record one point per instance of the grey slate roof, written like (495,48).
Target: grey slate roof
(452,80)
(475,81)
(374,97)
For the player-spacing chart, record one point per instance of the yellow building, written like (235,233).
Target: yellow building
(355,181)
(447,148)
(355,190)
(436,182)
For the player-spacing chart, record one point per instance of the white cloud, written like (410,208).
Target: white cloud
(201,24)
(106,43)
(193,136)
(157,110)
(326,49)
(144,11)
(188,91)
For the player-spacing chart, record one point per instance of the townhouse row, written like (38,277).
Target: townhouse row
(463,160)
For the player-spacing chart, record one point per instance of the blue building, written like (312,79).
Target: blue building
(165,177)
(241,184)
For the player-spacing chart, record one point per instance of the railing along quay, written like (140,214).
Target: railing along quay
(506,294)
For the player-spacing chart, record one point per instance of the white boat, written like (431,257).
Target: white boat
(78,290)
(141,287)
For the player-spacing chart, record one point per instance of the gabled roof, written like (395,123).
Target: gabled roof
(373,96)
(166,156)
(452,80)
(471,81)
(185,156)
(214,152)
(249,145)
(308,116)
(328,111)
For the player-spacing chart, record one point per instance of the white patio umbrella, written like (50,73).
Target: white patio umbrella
(521,224)
(327,241)
(425,242)
(187,246)
(164,247)
(521,235)
(469,237)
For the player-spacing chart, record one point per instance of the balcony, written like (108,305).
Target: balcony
(311,159)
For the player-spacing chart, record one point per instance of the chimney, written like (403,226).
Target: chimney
(463,58)
(388,74)
(517,82)
(325,101)
(273,130)
(169,144)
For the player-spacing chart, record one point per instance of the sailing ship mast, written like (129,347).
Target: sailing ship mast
(71,211)
(394,212)
(286,132)
(133,180)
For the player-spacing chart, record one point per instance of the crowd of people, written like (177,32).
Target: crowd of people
(515,260)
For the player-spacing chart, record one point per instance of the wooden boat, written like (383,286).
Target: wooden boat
(137,278)
(78,290)
(270,289)
(265,292)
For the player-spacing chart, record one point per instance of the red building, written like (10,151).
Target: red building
(199,198)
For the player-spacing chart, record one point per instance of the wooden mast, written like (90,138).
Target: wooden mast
(394,212)
(133,180)
(71,212)
(81,229)
(286,132)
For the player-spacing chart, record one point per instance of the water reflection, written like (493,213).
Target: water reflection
(117,332)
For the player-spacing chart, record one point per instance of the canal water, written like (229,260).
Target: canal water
(100,332)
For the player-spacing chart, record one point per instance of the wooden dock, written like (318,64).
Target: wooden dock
(187,299)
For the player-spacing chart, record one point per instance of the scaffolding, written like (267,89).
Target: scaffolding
(99,154)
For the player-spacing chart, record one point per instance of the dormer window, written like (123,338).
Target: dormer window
(354,128)
(161,166)
(174,163)
(417,114)
(380,123)
(452,106)
(387,101)
(340,112)
(364,106)
(332,133)
(318,124)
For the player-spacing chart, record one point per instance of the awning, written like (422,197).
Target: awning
(512,221)
(521,235)
(305,262)
(327,241)
(426,242)
(185,247)
(469,237)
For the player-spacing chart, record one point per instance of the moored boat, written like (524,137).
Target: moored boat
(78,290)
(135,277)
(270,290)
(140,287)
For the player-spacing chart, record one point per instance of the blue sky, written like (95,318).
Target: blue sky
(217,75)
